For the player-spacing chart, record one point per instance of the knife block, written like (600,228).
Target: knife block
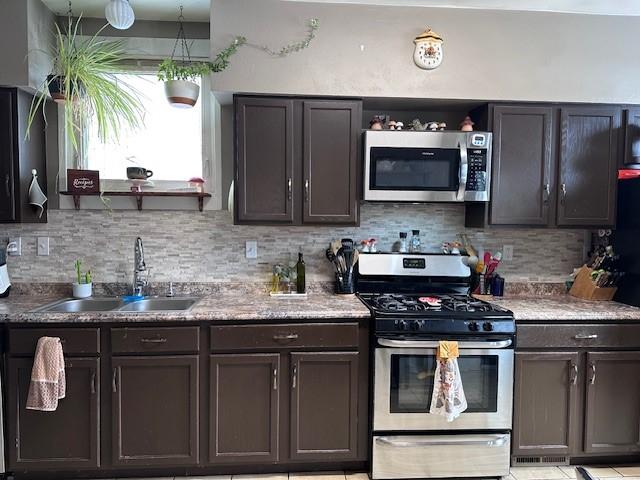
(583,287)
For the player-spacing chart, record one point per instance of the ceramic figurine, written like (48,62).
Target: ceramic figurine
(433,126)
(392,125)
(375,124)
(442,126)
(467,124)
(399,125)
(416,125)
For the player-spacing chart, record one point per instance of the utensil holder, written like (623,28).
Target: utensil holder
(583,287)
(344,283)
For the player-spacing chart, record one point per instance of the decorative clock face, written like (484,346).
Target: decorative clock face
(428,51)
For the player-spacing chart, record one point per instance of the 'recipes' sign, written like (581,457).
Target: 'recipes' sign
(83,181)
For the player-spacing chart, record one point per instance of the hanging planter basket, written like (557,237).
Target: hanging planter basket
(181,93)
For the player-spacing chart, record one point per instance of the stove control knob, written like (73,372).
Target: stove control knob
(474,327)
(401,324)
(487,326)
(417,325)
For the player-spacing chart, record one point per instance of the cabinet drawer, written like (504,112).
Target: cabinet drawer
(146,340)
(249,337)
(579,335)
(75,341)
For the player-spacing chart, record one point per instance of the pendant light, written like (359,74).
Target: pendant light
(119,14)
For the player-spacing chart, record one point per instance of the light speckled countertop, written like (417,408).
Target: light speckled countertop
(213,307)
(259,306)
(565,308)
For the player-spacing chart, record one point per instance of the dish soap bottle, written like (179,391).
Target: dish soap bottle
(300,281)
(414,246)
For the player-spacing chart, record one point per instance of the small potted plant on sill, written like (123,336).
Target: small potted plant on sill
(83,286)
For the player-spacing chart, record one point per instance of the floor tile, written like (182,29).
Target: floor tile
(318,476)
(509,477)
(210,477)
(260,476)
(538,473)
(598,471)
(356,476)
(628,470)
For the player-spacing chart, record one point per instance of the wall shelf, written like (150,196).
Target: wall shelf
(139,196)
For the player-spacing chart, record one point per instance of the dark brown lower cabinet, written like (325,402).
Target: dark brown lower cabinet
(244,409)
(546,405)
(66,439)
(155,410)
(324,406)
(613,402)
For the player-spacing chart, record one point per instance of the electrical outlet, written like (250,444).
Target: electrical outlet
(43,246)
(251,249)
(15,249)
(507,253)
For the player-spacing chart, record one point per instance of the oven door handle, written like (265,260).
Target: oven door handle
(387,342)
(492,441)
(464,169)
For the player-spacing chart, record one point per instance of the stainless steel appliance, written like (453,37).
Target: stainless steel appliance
(408,441)
(413,166)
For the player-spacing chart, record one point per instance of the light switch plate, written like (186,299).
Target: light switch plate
(251,249)
(507,253)
(15,250)
(43,246)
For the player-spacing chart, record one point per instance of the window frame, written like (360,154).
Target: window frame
(211,158)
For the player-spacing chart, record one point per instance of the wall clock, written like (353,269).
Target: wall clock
(428,51)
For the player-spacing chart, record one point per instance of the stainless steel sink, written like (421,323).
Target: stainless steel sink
(82,305)
(168,304)
(150,304)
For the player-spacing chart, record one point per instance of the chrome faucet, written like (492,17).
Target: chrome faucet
(140,271)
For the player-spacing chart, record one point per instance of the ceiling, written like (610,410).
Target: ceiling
(596,7)
(194,10)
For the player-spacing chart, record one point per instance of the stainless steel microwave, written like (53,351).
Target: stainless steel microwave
(411,166)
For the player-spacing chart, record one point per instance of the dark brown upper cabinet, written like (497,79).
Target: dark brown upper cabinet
(296,161)
(155,410)
(330,162)
(545,403)
(244,392)
(612,422)
(588,163)
(523,171)
(19,155)
(632,137)
(324,406)
(67,439)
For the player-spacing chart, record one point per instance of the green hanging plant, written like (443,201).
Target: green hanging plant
(83,78)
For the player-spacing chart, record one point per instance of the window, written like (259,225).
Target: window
(169,143)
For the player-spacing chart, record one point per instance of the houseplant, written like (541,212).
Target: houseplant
(83,286)
(179,77)
(83,79)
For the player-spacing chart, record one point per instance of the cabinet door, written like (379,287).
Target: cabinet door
(244,408)
(545,403)
(155,410)
(331,131)
(588,165)
(7,134)
(612,422)
(632,136)
(324,406)
(265,180)
(522,175)
(66,439)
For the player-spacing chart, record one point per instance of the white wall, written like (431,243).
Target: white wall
(489,54)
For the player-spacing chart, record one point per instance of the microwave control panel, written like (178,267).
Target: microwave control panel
(477,170)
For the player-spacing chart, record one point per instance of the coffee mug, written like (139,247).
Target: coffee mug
(138,173)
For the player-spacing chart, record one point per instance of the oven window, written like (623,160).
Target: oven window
(412,382)
(414,168)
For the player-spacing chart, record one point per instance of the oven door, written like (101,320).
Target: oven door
(415,166)
(404,375)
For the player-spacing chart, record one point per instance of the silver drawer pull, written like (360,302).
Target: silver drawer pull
(153,340)
(290,336)
(490,442)
(586,336)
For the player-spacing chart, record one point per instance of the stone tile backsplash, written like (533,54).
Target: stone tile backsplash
(186,246)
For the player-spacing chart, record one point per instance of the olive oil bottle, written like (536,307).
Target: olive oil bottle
(300,280)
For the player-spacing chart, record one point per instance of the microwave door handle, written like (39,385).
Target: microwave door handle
(464,168)
(387,342)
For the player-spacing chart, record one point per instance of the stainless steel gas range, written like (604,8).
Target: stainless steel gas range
(417,300)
